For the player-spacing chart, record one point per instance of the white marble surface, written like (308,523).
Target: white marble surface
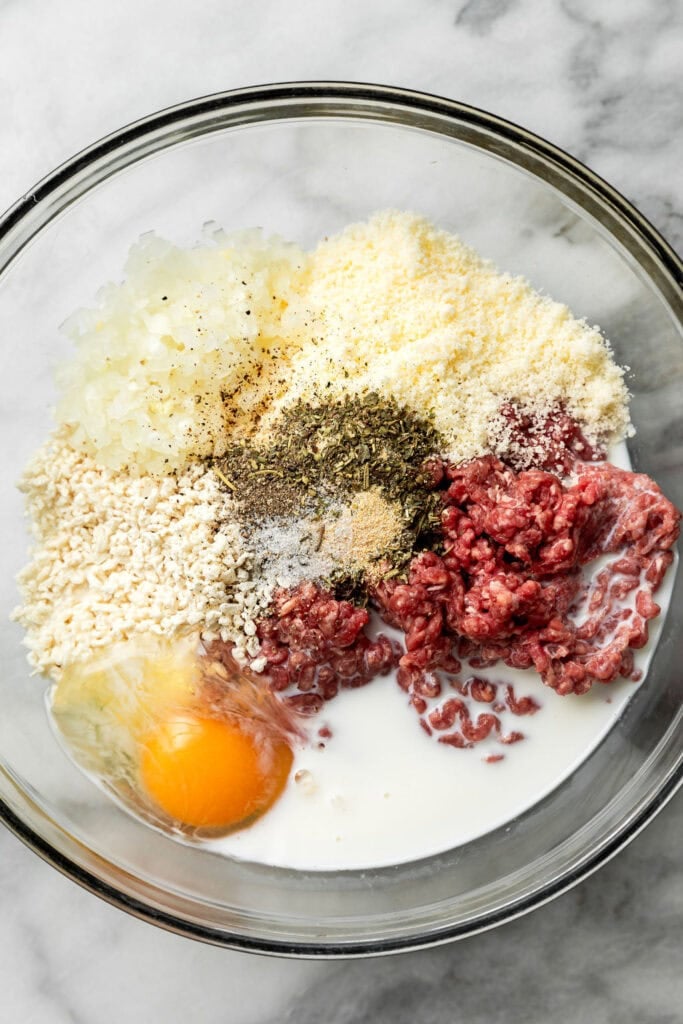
(602,80)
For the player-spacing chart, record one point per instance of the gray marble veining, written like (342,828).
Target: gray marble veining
(602,80)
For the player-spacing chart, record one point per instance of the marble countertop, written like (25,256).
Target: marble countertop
(600,79)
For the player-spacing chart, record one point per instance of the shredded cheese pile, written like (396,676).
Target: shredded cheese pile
(395,305)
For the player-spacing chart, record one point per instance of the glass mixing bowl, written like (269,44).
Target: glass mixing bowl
(303,160)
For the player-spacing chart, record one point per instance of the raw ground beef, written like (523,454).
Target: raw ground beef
(509,585)
(551,440)
(314,644)
(465,712)
(517,580)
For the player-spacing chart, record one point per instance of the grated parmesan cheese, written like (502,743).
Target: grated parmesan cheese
(395,305)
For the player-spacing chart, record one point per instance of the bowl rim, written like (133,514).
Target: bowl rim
(407,101)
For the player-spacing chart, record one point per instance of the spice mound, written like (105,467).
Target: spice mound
(278,477)
(319,453)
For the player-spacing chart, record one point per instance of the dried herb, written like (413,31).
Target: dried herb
(351,586)
(325,452)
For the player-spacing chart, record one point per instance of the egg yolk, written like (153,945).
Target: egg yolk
(206,772)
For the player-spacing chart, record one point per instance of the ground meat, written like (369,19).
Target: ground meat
(552,440)
(314,644)
(509,585)
(457,720)
(514,581)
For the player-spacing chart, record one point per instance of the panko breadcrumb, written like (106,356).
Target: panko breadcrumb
(118,556)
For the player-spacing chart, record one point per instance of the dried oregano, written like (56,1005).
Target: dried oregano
(324,452)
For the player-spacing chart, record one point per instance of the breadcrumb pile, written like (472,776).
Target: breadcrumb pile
(119,556)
